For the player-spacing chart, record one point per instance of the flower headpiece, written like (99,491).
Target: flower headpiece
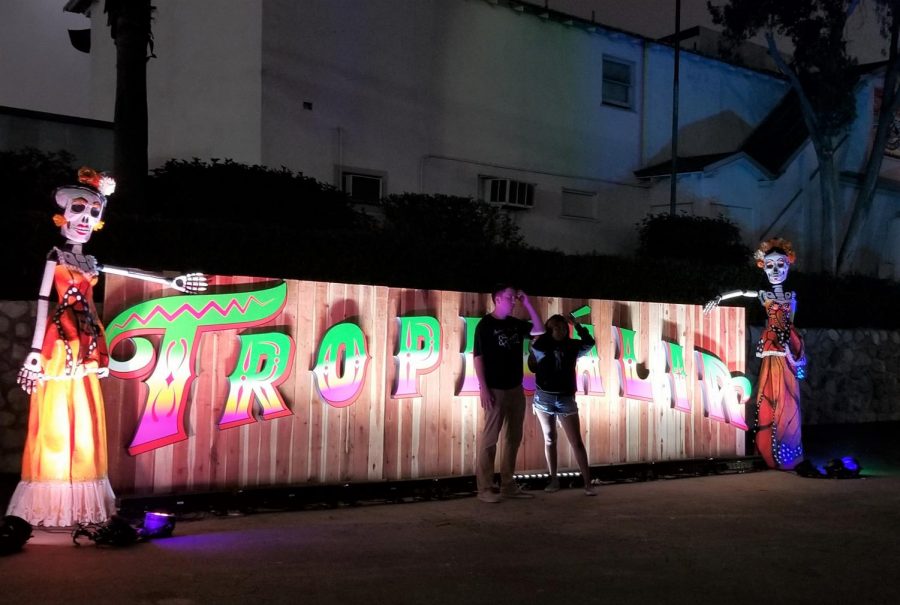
(91,185)
(100,181)
(776,243)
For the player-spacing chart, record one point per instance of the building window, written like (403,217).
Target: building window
(507,192)
(617,82)
(578,204)
(362,187)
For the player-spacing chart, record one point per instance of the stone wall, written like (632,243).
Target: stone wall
(16,329)
(853,376)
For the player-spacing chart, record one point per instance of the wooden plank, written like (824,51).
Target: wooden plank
(378,321)
(603,435)
(333,419)
(120,399)
(357,437)
(446,452)
(282,447)
(392,417)
(470,413)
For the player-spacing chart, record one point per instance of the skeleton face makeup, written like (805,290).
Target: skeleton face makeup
(82,213)
(776,266)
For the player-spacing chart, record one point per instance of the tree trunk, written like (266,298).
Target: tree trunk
(865,197)
(830,193)
(130,23)
(824,146)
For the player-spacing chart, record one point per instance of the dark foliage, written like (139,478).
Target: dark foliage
(448,219)
(30,177)
(694,238)
(226,192)
(231,219)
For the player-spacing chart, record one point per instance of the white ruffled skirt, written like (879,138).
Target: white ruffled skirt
(62,503)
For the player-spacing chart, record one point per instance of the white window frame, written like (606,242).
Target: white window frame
(629,84)
(487,183)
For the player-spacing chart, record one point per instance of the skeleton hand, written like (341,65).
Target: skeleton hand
(30,372)
(709,306)
(190,283)
(103,372)
(797,365)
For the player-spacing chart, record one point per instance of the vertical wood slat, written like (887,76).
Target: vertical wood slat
(381,438)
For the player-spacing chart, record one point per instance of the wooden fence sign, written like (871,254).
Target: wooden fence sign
(264,382)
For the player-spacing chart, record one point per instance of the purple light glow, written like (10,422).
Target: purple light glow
(850,463)
(158,525)
(242,540)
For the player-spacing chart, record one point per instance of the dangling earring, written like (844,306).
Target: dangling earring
(98,226)
(59,220)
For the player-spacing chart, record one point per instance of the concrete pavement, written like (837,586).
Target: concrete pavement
(759,537)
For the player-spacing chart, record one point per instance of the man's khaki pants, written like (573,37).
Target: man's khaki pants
(509,409)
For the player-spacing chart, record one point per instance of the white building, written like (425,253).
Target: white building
(566,122)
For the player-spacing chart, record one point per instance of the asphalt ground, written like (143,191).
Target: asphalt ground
(742,537)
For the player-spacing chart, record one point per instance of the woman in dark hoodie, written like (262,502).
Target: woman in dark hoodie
(553,358)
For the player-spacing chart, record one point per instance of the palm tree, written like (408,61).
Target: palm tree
(130,27)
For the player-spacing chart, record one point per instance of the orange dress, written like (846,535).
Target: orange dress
(64,466)
(778,401)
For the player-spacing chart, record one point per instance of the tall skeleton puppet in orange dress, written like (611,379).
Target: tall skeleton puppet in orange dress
(783,361)
(64,466)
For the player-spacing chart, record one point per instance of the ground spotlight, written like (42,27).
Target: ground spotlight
(14,533)
(157,525)
(847,467)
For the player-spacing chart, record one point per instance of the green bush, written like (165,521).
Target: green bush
(448,219)
(697,238)
(29,178)
(230,192)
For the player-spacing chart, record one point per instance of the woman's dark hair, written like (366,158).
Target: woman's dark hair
(553,318)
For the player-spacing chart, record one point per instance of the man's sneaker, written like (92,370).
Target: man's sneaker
(589,491)
(515,492)
(553,486)
(489,497)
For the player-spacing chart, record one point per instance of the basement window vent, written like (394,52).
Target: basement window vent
(508,193)
(365,188)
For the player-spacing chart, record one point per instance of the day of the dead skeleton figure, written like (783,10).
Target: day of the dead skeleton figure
(783,362)
(64,466)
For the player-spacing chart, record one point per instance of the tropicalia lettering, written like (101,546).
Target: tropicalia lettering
(266,359)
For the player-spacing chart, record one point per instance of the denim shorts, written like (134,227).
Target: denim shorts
(554,403)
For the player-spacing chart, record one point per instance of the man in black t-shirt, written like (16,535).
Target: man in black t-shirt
(498,356)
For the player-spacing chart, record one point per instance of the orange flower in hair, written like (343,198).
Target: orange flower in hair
(103,183)
(776,243)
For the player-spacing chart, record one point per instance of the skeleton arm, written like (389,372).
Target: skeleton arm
(190,282)
(712,304)
(31,369)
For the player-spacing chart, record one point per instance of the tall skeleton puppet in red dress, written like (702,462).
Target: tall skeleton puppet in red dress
(783,362)
(64,466)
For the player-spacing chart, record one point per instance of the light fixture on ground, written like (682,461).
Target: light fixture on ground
(157,525)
